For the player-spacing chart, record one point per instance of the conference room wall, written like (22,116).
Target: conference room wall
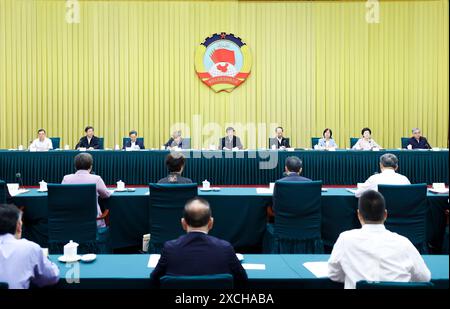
(316,64)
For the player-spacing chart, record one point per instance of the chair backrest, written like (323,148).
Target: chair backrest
(297,207)
(353,141)
(101,143)
(3,286)
(218,281)
(186,143)
(56,142)
(72,213)
(404,141)
(127,139)
(314,141)
(273,141)
(369,285)
(407,209)
(3,189)
(166,208)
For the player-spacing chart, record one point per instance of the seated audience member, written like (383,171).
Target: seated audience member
(366,142)
(83,165)
(388,175)
(292,169)
(175,164)
(42,143)
(21,261)
(133,142)
(372,252)
(89,141)
(417,141)
(231,141)
(196,253)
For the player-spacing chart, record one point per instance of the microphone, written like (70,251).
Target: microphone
(19,180)
(428,145)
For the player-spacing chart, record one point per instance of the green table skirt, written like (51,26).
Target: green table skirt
(282,271)
(345,167)
(239,216)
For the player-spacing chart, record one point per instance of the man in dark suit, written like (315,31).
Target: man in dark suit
(293,168)
(133,142)
(89,141)
(175,164)
(417,141)
(175,141)
(197,253)
(231,141)
(279,142)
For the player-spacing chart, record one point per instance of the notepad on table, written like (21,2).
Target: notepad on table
(153,260)
(264,191)
(249,266)
(319,269)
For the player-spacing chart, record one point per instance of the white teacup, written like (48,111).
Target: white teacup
(66,147)
(20,147)
(120,185)
(206,184)
(42,186)
(272,186)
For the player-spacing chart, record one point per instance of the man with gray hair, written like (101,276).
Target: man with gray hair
(175,141)
(417,141)
(388,175)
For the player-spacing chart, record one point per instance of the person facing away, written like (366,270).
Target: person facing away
(231,141)
(175,141)
(133,142)
(22,262)
(417,141)
(388,175)
(279,142)
(83,165)
(372,252)
(196,253)
(89,141)
(366,142)
(175,162)
(42,142)
(327,141)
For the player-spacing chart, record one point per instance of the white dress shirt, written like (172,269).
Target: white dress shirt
(22,262)
(373,253)
(387,177)
(37,145)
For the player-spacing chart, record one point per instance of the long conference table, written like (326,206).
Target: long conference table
(239,216)
(341,167)
(281,271)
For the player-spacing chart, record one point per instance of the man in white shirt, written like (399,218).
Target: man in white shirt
(21,261)
(388,175)
(42,143)
(372,252)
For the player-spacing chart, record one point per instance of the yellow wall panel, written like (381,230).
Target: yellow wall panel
(316,64)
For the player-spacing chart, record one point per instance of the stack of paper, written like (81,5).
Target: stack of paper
(249,266)
(264,191)
(319,269)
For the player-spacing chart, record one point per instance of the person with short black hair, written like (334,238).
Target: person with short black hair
(388,175)
(293,167)
(372,252)
(279,141)
(366,142)
(89,141)
(83,164)
(327,141)
(197,253)
(42,142)
(133,142)
(21,261)
(417,141)
(231,141)
(175,162)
